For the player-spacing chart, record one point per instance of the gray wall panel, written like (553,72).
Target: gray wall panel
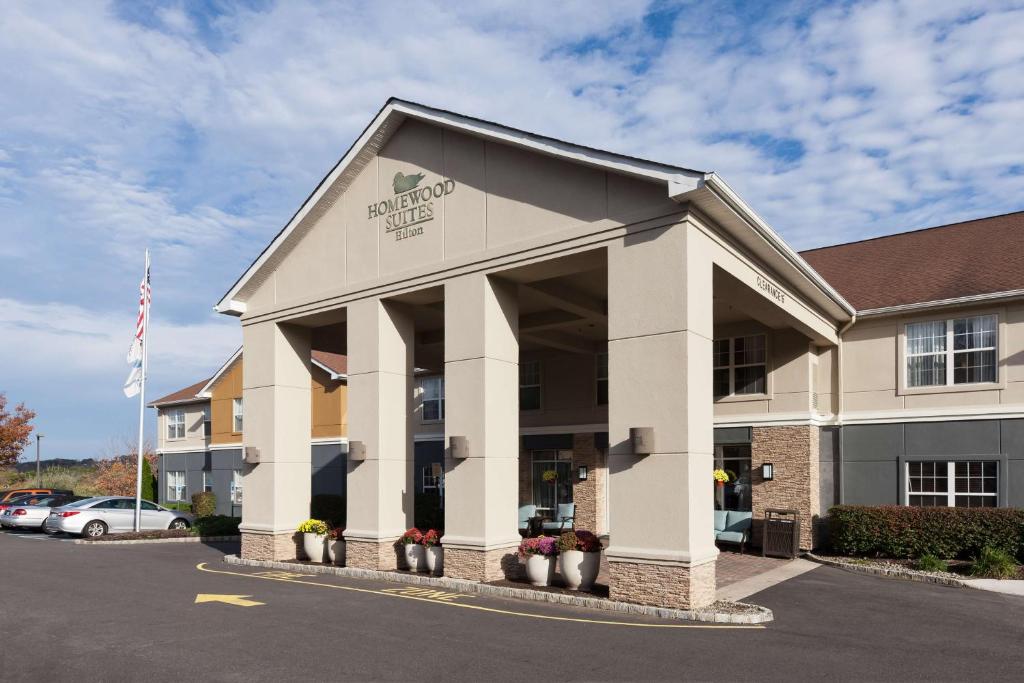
(973,437)
(1012,438)
(872,442)
(871,483)
(1015,483)
(724,435)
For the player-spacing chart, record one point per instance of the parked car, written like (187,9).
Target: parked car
(32,514)
(94,517)
(21,499)
(11,493)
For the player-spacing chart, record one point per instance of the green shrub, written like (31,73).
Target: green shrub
(994,563)
(181,507)
(930,563)
(328,507)
(204,504)
(149,486)
(903,531)
(216,525)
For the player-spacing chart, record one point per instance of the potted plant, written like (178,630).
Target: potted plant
(540,554)
(721,477)
(412,546)
(579,558)
(433,551)
(550,476)
(314,539)
(336,545)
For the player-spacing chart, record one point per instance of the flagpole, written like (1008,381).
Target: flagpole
(142,394)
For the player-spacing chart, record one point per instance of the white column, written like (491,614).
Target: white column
(380,385)
(481,404)
(276,422)
(659,364)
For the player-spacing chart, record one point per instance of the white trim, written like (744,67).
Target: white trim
(224,446)
(179,402)
(1002,412)
(193,449)
(332,373)
(205,391)
(330,441)
(776,420)
(939,303)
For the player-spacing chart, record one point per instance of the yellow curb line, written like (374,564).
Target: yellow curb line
(202,567)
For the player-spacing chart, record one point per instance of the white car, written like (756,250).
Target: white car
(94,517)
(35,511)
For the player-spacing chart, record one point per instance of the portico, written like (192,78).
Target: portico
(523,246)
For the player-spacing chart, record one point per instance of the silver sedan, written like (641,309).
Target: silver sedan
(94,517)
(34,513)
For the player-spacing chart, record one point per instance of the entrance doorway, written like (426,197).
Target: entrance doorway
(552,479)
(734,494)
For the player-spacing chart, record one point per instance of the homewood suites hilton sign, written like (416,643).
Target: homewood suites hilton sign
(412,205)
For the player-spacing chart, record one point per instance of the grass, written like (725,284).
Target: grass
(930,563)
(993,563)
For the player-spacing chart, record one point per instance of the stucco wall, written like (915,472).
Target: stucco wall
(194,439)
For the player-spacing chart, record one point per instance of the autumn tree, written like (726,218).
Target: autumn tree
(115,474)
(15,431)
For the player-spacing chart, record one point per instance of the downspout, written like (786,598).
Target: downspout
(839,406)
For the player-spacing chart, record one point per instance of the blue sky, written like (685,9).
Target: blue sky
(197,129)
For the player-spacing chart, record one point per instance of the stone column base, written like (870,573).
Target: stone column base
(663,585)
(364,554)
(267,546)
(481,565)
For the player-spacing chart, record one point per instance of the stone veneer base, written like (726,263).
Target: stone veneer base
(752,614)
(481,565)
(664,585)
(376,555)
(259,546)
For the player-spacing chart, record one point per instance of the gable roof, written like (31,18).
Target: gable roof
(189,394)
(934,265)
(335,364)
(682,185)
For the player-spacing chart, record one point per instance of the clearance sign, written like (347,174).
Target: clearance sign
(411,207)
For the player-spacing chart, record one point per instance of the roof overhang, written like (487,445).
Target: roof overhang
(682,185)
(205,392)
(179,402)
(331,373)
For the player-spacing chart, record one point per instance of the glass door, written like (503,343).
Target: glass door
(734,494)
(552,484)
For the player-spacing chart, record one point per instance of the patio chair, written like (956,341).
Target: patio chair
(526,512)
(566,514)
(733,526)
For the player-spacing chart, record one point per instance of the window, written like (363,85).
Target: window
(556,487)
(740,366)
(529,385)
(602,379)
(965,484)
(236,415)
(207,425)
(948,352)
(432,477)
(433,398)
(176,489)
(236,487)
(208,482)
(147,506)
(176,424)
(735,493)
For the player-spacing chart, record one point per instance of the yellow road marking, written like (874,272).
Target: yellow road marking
(238,600)
(400,593)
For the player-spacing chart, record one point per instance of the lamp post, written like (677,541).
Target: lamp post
(39,477)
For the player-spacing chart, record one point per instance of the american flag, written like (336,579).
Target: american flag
(133,384)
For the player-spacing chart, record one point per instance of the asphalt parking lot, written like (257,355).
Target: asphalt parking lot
(82,612)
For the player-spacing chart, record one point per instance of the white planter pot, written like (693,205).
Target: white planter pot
(415,558)
(315,546)
(540,569)
(435,559)
(336,551)
(579,569)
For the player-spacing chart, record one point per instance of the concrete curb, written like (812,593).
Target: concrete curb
(892,573)
(180,539)
(760,614)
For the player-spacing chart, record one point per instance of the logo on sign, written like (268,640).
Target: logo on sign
(411,207)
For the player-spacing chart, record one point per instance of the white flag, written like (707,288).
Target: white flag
(133,385)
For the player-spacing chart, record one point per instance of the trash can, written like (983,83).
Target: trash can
(781,533)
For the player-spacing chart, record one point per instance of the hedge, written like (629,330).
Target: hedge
(216,525)
(907,532)
(204,503)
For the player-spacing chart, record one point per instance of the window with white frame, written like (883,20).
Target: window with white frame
(433,398)
(208,482)
(950,352)
(432,478)
(529,385)
(176,424)
(602,379)
(236,487)
(740,366)
(177,491)
(207,425)
(236,415)
(962,484)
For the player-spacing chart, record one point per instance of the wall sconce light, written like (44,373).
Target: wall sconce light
(767,471)
(356,451)
(583,472)
(642,440)
(459,447)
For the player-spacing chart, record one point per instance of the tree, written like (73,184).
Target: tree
(148,481)
(15,431)
(115,475)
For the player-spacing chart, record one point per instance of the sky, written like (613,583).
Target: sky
(197,129)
